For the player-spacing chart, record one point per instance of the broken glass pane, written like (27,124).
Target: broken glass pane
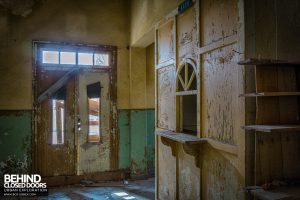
(58,120)
(101,59)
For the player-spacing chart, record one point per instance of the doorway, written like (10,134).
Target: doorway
(74,124)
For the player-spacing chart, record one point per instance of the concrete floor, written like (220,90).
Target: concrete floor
(139,189)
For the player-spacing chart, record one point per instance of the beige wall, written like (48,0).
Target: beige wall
(142,77)
(91,22)
(144,15)
(150,100)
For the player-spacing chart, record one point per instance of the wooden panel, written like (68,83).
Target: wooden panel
(188,176)
(167,172)
(165,42)
(187,34)
(218,20)
(220,95)
(291,155)
(220,177)
(166,98)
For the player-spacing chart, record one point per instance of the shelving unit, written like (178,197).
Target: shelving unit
(272,128)
(270,94)
(277,84)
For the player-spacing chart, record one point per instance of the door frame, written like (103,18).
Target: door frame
(111,69)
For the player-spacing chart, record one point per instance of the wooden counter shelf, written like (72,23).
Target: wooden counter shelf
(273,128)
(181,137)
(191,144)
(265,62)
(270,94)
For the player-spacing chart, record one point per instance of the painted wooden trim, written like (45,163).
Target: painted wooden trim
(219,44)
(165,63)
(188,92)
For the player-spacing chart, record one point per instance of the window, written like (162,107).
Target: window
(73,57)
(94,102)
(50,57)
(189,114)
(68,58)
(101,59)
(85,59)
(186,91)
(58,120)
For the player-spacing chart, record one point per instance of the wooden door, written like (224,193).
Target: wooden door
(55,148)
(95,117)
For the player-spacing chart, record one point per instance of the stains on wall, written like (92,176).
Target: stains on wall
(15,141)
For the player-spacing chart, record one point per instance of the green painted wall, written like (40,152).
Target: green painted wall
(136,142)
(138,136)
(136,146)
(15,141)
(124,139)
(150,114)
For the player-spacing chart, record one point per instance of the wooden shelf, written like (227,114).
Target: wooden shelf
(272,128)
(270,94)
(280,193)
(264,62)
(181,137)
(191,144)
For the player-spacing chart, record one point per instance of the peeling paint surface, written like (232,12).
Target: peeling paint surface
(165,42)
(15,142)
(166,98)
(94,157)
(220,177)
(220,95)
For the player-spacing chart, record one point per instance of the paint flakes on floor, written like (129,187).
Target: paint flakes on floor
(136,190)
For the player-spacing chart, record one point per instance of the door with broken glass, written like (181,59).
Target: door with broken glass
(93,122)
(74,109)
(54,149)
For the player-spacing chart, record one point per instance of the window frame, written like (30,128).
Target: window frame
(69,47)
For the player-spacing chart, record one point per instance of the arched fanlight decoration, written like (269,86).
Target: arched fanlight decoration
(186,76)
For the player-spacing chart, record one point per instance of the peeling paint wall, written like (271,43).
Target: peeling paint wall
(92,22)
(15,141)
